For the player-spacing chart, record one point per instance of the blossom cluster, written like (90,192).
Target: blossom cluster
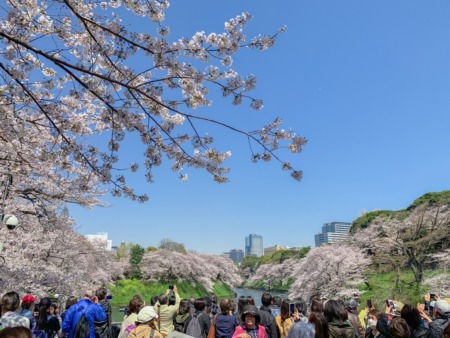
(73,85)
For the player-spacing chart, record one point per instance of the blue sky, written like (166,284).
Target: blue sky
(366,82)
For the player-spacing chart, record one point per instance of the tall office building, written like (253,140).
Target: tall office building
(254,245)
(236,255)
(332,232)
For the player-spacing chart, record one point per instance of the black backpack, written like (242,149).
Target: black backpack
(82,329)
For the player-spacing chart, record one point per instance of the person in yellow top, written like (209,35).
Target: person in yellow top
(145,324)
(286,318)
(167,312)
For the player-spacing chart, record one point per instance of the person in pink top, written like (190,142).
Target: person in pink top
(250,327)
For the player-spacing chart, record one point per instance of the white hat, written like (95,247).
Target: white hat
(441,306)
(146,314)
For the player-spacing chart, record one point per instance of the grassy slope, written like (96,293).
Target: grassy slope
(125,289)
(385,286)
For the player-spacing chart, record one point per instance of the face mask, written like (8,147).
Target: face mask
(372,324)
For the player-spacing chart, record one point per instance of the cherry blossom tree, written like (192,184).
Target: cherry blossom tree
(329,271)
(53,259)
(410,240)
(77,81)
(274,274)
(167,266)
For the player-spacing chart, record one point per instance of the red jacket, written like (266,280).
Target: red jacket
(241,329)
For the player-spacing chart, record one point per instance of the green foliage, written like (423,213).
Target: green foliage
(136,255)
(151,248)
(168,244)
(364,221)
(125,289)
(278,257)
(397,285)
(432,198)
(123,250)
(281,255)
(250,262)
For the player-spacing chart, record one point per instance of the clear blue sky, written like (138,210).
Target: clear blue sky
(367,82)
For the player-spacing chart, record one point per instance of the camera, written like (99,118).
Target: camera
(10,221)
(170,287)
(433,295)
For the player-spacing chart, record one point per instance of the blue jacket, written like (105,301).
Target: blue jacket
(93,312)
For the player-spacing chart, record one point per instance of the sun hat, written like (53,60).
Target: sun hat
(250,310)
(28,299)
(146,314)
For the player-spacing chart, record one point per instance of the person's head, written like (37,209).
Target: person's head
(200,304)
(146,316)
(154,300)
(399,328)
(10,301)
(213,298)
(266,299)
(284,309)
(441,309)
(276,300)
(372,318)
(242,302)
(301,306)
(101,294)
(89,294)
(316,305)
(250,300)
(250,316)
(172,300)
(185,306)
(192,300)
(135,305)
(320,324)
(15,332)
(28,301)
(163,299)
(70,301)
(411,315)
(54,309)
(226,306)
(335,311)
(302,330)
(44,307)
(352,305)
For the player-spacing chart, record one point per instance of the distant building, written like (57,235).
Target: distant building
(236,255)
(254,245)
(100,240)
(272,249)
(332,232)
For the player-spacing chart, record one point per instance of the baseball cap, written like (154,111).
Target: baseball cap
(28,299)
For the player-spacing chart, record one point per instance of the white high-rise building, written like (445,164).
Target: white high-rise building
(332,232)
(100,240)
(254,245)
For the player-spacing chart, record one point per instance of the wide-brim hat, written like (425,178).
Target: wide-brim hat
(250,310)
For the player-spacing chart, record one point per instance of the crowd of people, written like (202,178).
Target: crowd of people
(168,315)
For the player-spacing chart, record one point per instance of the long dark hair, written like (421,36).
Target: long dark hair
(44,305)
(284,309)
(320,324)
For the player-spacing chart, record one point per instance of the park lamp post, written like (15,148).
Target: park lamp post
(9,220)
